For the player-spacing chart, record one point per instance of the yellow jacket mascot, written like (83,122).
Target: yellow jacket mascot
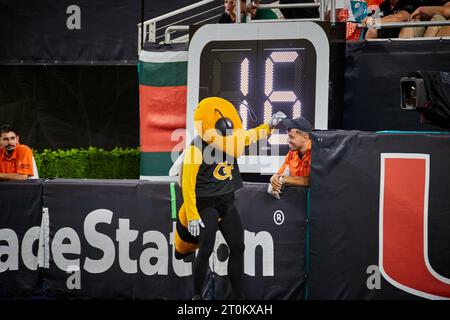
(209,177)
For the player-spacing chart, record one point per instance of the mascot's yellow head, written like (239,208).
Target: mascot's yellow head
(217,122)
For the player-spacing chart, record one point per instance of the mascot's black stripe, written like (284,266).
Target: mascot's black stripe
(180,256)
(184,233)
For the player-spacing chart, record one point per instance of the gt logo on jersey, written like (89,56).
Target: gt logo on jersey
(223,171)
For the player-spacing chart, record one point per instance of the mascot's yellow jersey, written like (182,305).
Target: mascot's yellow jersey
(207,172)
(216,172)
(202,177)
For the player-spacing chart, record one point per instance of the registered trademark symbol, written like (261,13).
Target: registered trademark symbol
(278,217)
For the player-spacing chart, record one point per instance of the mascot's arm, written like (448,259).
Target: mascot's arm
(255,134)
(191,165)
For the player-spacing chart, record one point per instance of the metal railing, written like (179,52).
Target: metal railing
(320,5)
(150,28)
(171,29)
(405,24)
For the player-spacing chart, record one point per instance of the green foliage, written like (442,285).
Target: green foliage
(91,163)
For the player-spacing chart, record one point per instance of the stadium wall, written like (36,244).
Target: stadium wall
(374,224)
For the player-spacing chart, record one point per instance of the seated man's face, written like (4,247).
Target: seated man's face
(8,141)
(296,139)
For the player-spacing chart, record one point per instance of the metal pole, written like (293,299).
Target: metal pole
(238,11)
(333,11)
(387,25)
(322,10)
(171,29)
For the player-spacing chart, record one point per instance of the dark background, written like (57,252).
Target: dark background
(76,88)
(34,31)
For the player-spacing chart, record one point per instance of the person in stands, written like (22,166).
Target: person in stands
(16,160)
(433,10)
(229,16)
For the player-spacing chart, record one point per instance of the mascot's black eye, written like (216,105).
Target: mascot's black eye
(223,124)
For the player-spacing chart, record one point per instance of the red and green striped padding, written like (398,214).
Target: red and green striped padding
(162,95)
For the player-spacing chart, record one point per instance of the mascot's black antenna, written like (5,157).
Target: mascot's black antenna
(251,113)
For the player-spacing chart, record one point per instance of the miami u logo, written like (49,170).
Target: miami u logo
(223,171)
(403,250)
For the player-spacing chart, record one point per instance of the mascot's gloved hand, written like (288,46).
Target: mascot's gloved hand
(276,119)
(194,227)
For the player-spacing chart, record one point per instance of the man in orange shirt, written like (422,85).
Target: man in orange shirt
(16,160)
(298,159)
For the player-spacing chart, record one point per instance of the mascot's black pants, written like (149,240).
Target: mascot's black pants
(211,209)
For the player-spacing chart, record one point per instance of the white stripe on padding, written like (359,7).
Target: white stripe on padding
(159,178)
(160,57)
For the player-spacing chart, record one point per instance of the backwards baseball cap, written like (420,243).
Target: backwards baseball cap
(299,123)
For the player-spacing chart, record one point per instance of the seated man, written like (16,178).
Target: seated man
(16,160)
(298,159)
(436,10)
(390,11)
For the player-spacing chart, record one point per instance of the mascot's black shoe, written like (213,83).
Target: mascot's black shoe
(197,297)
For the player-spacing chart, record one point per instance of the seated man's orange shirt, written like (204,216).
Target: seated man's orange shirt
(298,167)
(21,161)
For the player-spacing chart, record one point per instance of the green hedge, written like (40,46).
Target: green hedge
(92,163)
